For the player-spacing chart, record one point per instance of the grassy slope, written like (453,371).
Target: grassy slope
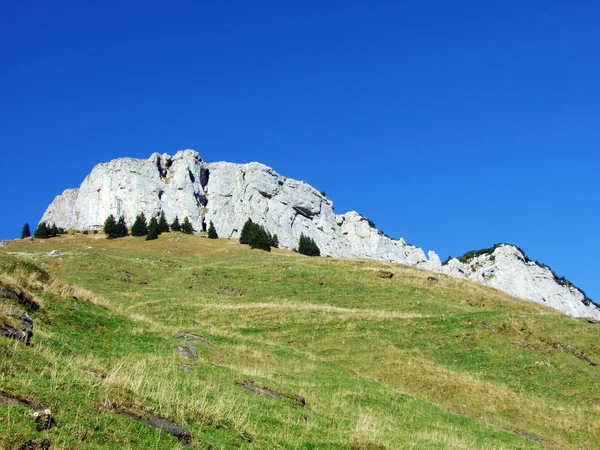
(404,362)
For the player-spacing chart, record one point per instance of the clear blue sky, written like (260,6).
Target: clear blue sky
(455,125)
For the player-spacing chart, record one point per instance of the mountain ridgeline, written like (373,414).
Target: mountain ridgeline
(228,194)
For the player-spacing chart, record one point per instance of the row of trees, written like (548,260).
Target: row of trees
(43,231)
(256,236)
(141,227)
(253,234)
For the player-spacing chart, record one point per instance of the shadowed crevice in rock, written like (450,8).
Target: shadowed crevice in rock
(252,386)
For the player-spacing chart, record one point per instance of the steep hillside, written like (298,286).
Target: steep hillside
(206,343)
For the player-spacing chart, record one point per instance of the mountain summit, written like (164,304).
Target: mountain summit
(228,194)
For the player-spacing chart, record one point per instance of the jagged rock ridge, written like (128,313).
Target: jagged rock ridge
(228,194)
(506,267)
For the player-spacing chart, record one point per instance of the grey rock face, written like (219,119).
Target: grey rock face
(228,194)
(506,269)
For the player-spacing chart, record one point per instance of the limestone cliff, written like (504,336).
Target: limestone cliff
(507,268)
(226,194)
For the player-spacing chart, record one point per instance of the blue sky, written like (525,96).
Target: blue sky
(455,125)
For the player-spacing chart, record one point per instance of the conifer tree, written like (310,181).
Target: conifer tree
(41,232)
(110,227)
(186,226)
(25,232)
(212,232)
(259,238)
(245,234)
(175,226)
(152,230)
(121,227)
(307,246)
(140,226)
(273,240)
(163,225)
(52,230)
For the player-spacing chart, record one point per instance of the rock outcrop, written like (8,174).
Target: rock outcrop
(228,194)
(507,268)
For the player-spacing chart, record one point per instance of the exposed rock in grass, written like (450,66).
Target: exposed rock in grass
(185,367)
(18,326)
(188,349)
(18,295)
(11,399)
(252,386)
(531,437)
(194,339)
(183,435)
(572,350)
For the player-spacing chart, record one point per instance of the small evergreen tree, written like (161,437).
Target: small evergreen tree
(212,232)
(273,240)
(245,234)
(163,225)
(25,232)
(110,227)
(175,226)
(122,227)
(52,230)
(307,246)
(140,226)
(152,230)
(259,238)
(186,226)
(41,232)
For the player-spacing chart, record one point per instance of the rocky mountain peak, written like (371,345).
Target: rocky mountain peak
(184,185)
(508,268)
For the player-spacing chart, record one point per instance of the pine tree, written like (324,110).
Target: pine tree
(273,240)
(110,227)
(163,225)
(121,227)
(52,230)
(212,232)
(259,238)
(175,226)
(140,226)
(186,226)
(41,232)
(307,246)
(245,234)
(152,230)
(25,232)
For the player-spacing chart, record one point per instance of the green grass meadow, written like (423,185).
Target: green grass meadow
(386,356)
